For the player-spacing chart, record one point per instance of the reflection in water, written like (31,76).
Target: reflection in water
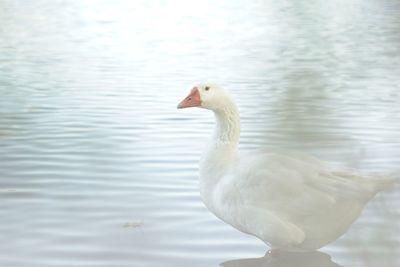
(286,259)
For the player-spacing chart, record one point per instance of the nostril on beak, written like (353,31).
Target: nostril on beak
(189,98)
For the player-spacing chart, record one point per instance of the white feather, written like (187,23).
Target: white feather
(289,200)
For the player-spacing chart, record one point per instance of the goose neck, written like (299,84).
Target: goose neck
(227,130)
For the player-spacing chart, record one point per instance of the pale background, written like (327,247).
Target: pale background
(98,168)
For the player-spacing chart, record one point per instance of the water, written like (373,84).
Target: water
(98,168)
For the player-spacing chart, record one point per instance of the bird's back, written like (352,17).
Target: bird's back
(296,190)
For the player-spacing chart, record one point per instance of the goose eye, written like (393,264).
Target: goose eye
(207,88)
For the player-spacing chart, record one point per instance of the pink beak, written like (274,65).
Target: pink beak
(192,100)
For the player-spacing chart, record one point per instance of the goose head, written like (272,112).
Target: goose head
(208,96)
(216,99)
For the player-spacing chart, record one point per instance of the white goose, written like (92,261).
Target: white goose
(290,201)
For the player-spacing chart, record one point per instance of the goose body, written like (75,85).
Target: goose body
(289,200)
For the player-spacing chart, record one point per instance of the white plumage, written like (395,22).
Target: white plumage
(289,200)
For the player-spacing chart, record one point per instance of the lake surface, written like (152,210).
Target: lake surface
(98,168)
